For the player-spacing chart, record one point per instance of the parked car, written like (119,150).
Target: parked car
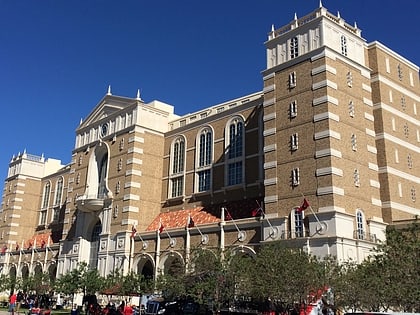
(159,306)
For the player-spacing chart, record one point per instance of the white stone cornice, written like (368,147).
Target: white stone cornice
(369,117)
(329,171)
(326,115)
(327,133)
(269,117)
(396,87)
(269,88)
(270,181)
(270,101)
(324,83)
(327,152)
(401,207)
(330,190)
(398,173)
(397,113)
(405,144)
(324,68)
(324,99)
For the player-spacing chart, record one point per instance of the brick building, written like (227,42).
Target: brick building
(335,125)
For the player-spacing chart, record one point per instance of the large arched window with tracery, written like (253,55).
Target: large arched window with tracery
(176,183)
(204,159)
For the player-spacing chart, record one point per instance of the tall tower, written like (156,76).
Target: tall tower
(395,96)
(319,133)
(22,196)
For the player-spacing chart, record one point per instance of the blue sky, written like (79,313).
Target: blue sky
(58,57)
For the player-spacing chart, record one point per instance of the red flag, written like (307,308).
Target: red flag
(3,250)
(227,215)
(190,222)
(161,228)
(133,231)
(305,204)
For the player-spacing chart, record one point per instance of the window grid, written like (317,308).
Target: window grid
(177,186)
(46,196)
(205,148)
(235,139)
(235,173)
(178,156)
(298,223)
(204,180)
(58,192)
(43,217)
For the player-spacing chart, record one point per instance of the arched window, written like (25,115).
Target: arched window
(360,225)
(205,159)
(235,151)
(177,171)
(46,195)
(103,167)
(205,148)
(45,202)
(58,192)
(178,156)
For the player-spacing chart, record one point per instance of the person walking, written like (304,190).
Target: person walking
(12,303)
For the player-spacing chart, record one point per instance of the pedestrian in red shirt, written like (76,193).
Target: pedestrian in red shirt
(12,303)
(128,310)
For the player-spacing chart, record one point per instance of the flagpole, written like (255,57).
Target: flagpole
(268,221)
(313,212)
(204,238)
(241,234)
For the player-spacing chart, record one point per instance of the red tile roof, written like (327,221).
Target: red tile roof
(38,240)
(204,215)
(179,219)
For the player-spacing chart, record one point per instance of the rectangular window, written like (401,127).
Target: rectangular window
(204,180)
(293,109)
(177,186)
(349,79)
(356,176)
(295,176)
(353,142)
(294,48)
(235,173)
(294,141)
(298,224)
(43,217)
(343,45)
(56,213)
(351,109)
(292,79)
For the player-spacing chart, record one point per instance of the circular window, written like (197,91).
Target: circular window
(104,130)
